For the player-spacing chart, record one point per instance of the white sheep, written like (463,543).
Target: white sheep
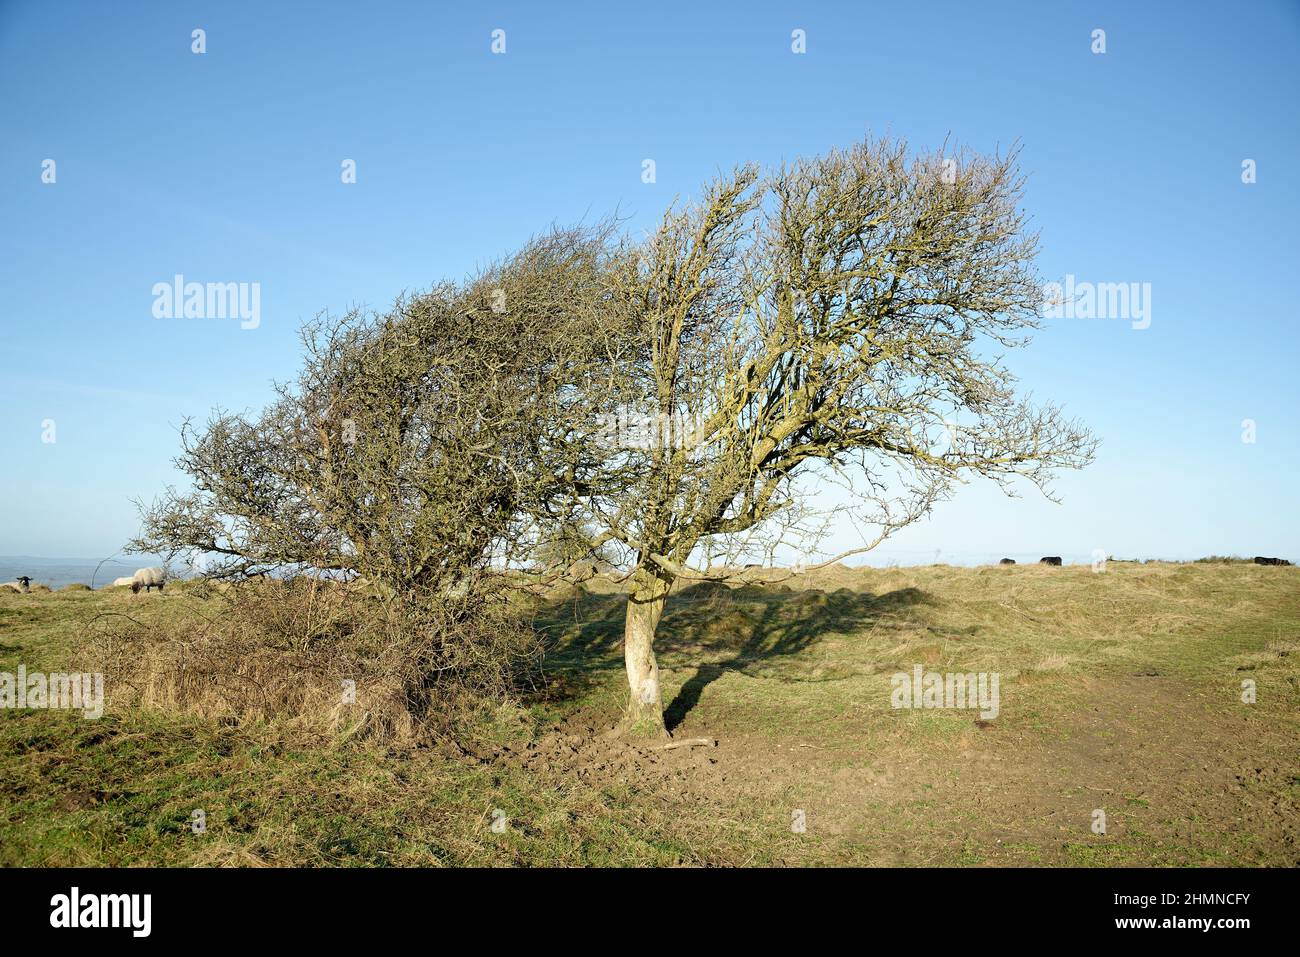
(123,582)
(147,578)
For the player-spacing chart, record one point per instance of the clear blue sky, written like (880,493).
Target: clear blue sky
(226,167)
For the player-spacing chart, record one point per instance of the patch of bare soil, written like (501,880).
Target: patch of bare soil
(1181,776)
(588,753)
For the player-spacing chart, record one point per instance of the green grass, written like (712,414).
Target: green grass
(1119,690)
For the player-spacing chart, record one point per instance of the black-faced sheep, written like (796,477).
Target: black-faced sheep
(147,578)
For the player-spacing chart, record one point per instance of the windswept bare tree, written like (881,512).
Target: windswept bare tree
(842,318)
(417,448)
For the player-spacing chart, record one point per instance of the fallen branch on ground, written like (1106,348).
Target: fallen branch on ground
(689,743)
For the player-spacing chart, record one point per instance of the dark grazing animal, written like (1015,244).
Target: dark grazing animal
(1007,561)
(1261,560)
(1050,560)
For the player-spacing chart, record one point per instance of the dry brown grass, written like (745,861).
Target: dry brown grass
(312,657)
(796,688)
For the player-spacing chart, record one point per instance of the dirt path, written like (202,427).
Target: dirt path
(1182,776)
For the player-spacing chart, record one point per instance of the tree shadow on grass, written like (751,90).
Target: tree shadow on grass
(730,628)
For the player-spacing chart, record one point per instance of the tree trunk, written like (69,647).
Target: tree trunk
(644,716)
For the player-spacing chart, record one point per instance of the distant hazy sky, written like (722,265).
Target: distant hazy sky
(225,167)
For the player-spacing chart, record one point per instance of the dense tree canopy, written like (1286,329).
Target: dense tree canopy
(416,446)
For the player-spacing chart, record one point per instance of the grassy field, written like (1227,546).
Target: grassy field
(1120,693)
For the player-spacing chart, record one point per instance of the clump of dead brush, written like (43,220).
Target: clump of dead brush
(326,659)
